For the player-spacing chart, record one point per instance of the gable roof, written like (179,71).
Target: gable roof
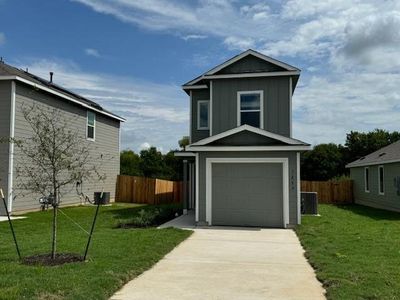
(283,141)
(385,155)
(8,72)
(288,69)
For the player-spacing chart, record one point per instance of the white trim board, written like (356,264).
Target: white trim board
(199,102)
(298,179)
(251,75)
(197,187)
(259,131)
(285,187)
(261,110)
(194,87)
(184,154)
(48,90)
(210,73)
(191,116)
(373,163)
(248,148)
(11,150)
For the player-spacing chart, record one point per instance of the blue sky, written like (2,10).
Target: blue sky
(132,56)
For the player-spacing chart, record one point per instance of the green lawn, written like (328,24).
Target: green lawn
(355,251)
(115,257)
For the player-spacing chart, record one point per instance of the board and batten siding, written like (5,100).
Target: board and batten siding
(293,213)
(276,102)
(5,111)
(197,95)
(390,200)
(106,143)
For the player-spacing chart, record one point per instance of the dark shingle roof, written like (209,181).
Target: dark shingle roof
(384,155)
(8,70)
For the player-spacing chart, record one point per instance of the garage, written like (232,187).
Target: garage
(245,193)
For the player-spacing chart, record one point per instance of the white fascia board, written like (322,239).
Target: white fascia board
(247,148)
(243,128)
(184,154)
(250,75)
(256,54)
(194,87)
(46,89)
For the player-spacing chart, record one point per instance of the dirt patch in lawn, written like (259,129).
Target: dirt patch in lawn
(46,260)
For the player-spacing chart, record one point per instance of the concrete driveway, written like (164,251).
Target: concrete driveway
(230,263)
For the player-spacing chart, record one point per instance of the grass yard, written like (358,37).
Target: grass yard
(355,251)
(115,257)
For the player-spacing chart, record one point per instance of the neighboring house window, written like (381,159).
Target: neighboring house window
(366,179)
(250,108)
(91,125)
(203,107)
(381,177)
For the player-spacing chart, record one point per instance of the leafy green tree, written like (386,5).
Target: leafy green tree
(184,142)
(130,163)
(359,144)
(324,162)
(152,163)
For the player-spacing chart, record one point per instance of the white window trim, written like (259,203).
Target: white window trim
(366,184)
(379,180)
(94,126)
(261,93)
(199,102)
(285,175)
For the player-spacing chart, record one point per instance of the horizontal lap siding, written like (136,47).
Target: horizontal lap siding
(5,104)
(390,200)
(107,143)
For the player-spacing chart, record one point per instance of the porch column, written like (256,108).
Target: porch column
(185,186)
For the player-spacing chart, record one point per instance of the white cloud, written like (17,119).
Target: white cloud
(194,37)
(156,114)
(92,52)
(349,51)
(2,38)
(144,146)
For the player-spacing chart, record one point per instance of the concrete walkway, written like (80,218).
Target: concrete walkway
(221,263)
(4,219)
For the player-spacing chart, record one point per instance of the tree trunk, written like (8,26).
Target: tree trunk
(54,242)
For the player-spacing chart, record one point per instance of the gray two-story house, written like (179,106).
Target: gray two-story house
(97,127)
(243,164)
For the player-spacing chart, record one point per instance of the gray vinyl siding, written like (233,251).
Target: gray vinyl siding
(250,64)
(106,143)
(390,200)
(196,135)
(259,154)
(276,103)
(5,106)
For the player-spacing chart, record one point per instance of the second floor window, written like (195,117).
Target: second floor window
(203,114)
(250,108)
(91,125)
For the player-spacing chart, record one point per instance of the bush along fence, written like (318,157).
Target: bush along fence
(134,189)
(331,191)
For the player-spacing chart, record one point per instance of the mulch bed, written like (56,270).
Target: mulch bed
(46,260)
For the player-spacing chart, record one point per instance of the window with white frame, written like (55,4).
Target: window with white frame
(366,179)
(381,178)
(250,108)
(91,125)
(203,116)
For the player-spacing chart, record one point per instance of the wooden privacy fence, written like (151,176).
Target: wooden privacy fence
(134,189)
(330,191)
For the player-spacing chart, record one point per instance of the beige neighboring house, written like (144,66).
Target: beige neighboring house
(98,126)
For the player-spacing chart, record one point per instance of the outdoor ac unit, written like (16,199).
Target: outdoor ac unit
(309,203)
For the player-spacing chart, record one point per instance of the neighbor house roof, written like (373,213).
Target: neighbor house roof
(8,72)
(385,155)
(280,142)
(288,69)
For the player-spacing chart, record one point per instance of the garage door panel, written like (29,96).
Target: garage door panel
(247,194)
